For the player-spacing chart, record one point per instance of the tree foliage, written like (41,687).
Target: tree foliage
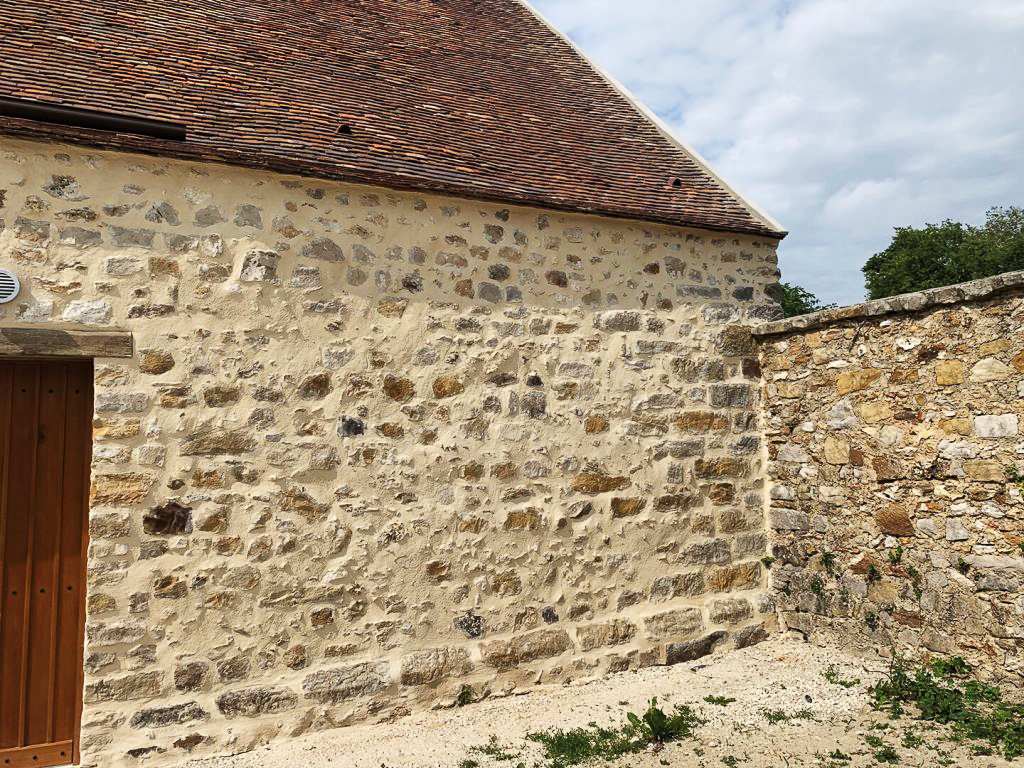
(795,300)
(947,253)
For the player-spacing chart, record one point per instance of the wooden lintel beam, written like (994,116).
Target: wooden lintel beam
(24,340)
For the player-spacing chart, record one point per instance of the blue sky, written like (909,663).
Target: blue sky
(841,118)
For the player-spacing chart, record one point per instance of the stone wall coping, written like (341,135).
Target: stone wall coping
(975,290)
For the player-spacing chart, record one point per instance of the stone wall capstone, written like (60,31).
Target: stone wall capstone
(379,451)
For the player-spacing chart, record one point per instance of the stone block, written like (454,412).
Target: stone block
(674,625)
(259,266)
(593,483)
(995,427)
(88,312)
(990,369)
(949,373)
(615,632)
(618,320)
(216,441)
(120,490)
(730,611)
(256,701)
(855,381)
(523,649)
(161,717)
(143,685)
(433,665)
(191,676)
(894,520)
(678,653)
(836,451)
(627,507)
(336,686)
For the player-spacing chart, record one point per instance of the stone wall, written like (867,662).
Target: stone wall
(897,462)
(379,451)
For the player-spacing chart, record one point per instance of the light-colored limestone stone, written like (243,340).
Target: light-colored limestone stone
(1005,425)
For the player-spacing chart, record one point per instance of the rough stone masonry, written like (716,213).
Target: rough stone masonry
(379,451)
(897,468)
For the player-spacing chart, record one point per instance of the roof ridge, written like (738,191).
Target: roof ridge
(645,112)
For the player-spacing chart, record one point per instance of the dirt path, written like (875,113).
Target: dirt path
(813,718)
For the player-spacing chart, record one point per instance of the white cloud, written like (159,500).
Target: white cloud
(842,119)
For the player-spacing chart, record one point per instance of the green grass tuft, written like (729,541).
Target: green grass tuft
(494,750)
(832,676)
(580,745)
(719,701)
(775,716)
(942,692)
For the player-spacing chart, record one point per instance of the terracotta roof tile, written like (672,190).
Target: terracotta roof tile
(474,98)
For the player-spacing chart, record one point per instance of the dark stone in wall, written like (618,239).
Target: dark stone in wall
(171,518)
(471,625)
(350,427)
(251,702)
(159,717)
(677,653)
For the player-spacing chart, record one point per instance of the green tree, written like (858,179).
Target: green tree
(795,300)
(947,253)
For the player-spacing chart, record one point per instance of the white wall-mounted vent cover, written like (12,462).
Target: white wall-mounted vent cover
(9,286)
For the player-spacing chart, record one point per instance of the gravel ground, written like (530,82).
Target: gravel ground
(782,675)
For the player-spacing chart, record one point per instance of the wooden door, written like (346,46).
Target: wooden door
(45,447)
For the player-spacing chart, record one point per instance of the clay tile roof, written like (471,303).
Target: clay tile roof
(475,98)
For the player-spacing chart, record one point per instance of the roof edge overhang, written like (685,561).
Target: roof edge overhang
(779,232)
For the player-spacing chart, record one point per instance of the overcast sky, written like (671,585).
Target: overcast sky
(841,118)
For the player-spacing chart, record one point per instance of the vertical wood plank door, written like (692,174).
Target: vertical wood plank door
(45,451)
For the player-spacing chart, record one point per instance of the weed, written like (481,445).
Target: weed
(1015,475)
(469,763)
(465,696)
(886,754)
(873,574)
(915,580)
(963,566)
(955,666)
(873,741)
(579,745)
(818,586)
(828,561)
(831,675)
(768,561)
(719,701)
(942,692)
(775,716)
(896,554)
(494,750)
(911,740)
(871,619)
(840,756)
(731,761)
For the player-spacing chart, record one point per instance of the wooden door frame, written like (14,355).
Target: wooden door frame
(24,342)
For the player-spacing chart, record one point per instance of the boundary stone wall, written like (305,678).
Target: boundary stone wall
(896,462)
